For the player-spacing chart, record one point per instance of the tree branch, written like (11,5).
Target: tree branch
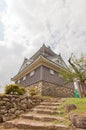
(74,67)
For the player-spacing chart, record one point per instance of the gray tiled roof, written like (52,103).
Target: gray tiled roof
(47,53)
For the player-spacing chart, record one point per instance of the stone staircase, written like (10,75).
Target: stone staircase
(46,116)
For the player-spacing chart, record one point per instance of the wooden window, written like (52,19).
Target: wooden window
(52,72)
(32,73)
(24,78)
(18,81)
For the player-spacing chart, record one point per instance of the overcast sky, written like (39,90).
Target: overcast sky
(26,24)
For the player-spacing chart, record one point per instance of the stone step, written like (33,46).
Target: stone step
(42,117)
(25,124)
(50,104)
(52,100)
(47,107)
(45,111)
(2,128)
(12,129)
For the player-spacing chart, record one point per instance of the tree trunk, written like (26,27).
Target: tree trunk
(83,85)
(79,89)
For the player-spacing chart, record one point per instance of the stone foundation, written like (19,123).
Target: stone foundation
(53,90)
(38,87)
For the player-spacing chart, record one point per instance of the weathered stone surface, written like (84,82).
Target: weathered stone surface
(24,106)
(1,119)
(49,89)
(2,102)
(12,110)
(18,112)
(70,107)
(9,125)
(50,103)
(6,99)
(78,121)
(39,119)
(13,105)
(3,111)
(2,107)
(45,111)
(42,117)
(7,117)
(74,128)
(47,107)
(24,101)
(8,105)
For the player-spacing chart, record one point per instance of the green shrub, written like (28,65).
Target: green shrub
(14,89)
(33,91)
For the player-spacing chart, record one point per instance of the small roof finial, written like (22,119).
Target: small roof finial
(43,44)
(49,47)
(25,59)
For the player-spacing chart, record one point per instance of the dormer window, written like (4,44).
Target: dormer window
(32,73)
(52,72)
(24,78)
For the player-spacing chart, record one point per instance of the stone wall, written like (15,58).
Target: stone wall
(78,122)
(54,90)
(49,89)
(38,87)
(11,105)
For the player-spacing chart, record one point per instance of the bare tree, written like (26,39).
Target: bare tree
(77,70)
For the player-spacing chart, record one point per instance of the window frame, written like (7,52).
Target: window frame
(32,73)
(24,78)
(52,72)
(18,81)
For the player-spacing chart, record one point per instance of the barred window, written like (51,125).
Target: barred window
(24,78)
(52,72)
(18,81)
(32,73)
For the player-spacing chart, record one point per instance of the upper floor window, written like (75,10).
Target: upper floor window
(52,72)
(32,73)
(18,81)
(24,78)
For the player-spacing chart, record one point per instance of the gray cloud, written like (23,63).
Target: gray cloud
(10,61)
(1,31)
(28,24)
(2,5)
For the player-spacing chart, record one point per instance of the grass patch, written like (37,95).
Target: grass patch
(65,122)
(46,97)
(43,97)
(81,109)
(80,103)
